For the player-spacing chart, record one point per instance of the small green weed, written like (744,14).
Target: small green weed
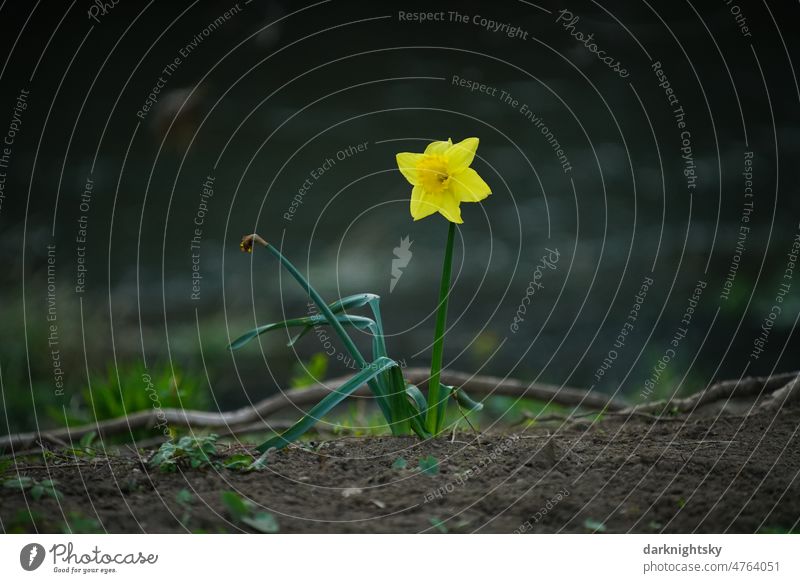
(594,525)
(311,372)
(77,523)
(429,465)
(400,464)
(194,452)
(246,512)
(37,489)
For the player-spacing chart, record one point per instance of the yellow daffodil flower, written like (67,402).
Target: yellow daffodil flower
(442,179)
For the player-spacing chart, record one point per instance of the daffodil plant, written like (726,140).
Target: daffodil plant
(442,179)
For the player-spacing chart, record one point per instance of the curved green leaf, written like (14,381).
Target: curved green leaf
(327,403)
(359,322)
(348,303)
(465,401)
(352,302)
(418,398)
(441,406)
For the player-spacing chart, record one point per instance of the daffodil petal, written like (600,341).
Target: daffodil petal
(449,209)
(459,156)
(407,163)
(422,204)
(439,147)
(468,186)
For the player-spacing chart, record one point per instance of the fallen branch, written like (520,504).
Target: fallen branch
(233,422)
(788,393)
(723,390)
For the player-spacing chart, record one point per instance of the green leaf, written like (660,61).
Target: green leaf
(235,505)
(238,461)
(20,483)
(358,322)
(594,525)
(244,511)
(326,404)
(379,348)
(419,400)
(444,395)
(465,401)
(439,524)
(184,497)
(76,523)
(262,522)
(260,463)
(53,493)
(350,302)
(400,464)
(429,465)
(86,440)
(196,450)
(308,373)
(400,408)
(37,491)
(418,417)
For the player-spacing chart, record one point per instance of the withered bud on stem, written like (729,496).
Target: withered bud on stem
(249,240)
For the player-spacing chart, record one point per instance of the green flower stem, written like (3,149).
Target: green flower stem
(435,417)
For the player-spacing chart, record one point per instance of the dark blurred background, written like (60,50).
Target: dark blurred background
(265,92)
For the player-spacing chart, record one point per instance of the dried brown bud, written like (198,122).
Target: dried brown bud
(249,240)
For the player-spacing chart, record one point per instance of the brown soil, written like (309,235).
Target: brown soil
(701,474)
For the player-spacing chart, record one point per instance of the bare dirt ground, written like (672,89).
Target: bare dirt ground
(731,473)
